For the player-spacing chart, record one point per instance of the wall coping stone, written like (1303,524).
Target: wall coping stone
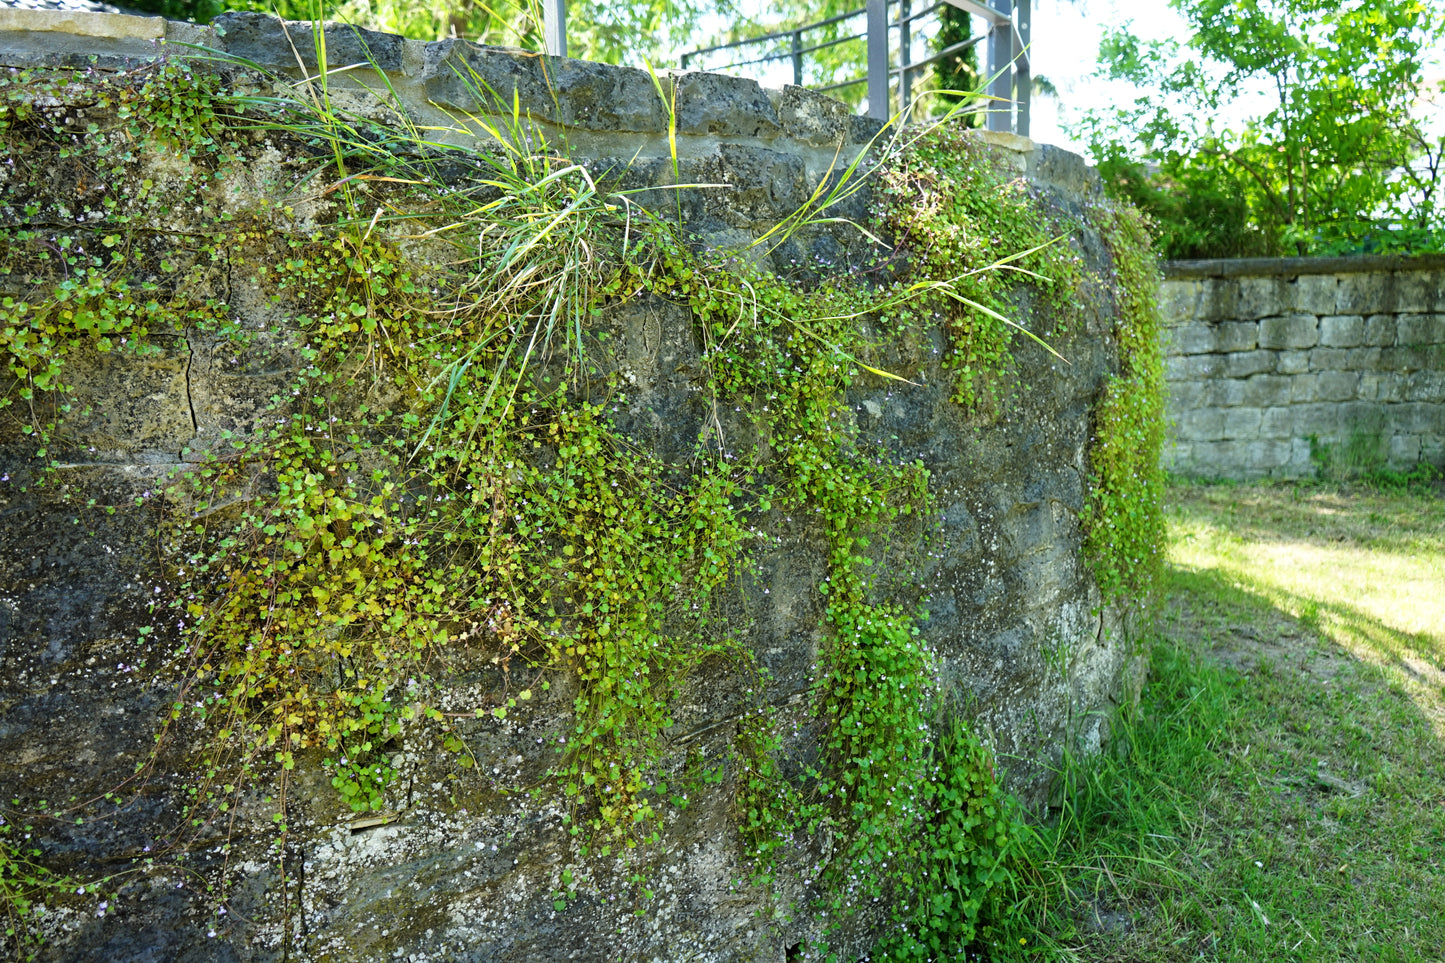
(1295,266)
(604,110)
(82,23)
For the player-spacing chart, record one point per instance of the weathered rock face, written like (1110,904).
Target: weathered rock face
(1278,367)
(474,864)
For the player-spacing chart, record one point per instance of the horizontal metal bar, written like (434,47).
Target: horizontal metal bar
(788,54)
(983,10)
(920,14)
(784,34)
(821,46)
(833,43)
(846,83)
(945,52)
(777,35)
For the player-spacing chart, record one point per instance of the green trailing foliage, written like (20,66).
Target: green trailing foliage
(25,886)
(1124,517)
(440,491)
(958,220)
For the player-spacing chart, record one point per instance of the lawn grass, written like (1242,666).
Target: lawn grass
(1282,796)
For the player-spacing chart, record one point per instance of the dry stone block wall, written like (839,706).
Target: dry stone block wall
(1278,367)
(1017,626)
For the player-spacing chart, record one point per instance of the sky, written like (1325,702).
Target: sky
(1066,49)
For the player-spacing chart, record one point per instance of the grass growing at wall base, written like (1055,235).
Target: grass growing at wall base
(1278,795)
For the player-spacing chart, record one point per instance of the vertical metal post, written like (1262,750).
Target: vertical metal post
(878,59)
(905,55)
(1000,50)
(798,58)
(1023,75)
(554,27)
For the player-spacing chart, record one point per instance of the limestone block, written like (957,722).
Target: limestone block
(1342,330)
(1277,422)
(1177,457)
(1195,367)
(1370,293)
(1358,417)
(1262,391)
(1230,392)
(136,408)
(1292,362)
(1329,359)
(1363,359)
(1289,331)
(1219,300)
(1421,329)
(1186,395)
(1262,297)
(1420,291)
(1237,335)
(1300,462)
(1404,358)
(1060,168)
(1221,457)
(262,39)
(1180,300)
(1190,338)
(1432,449)
(1246,363)
(1338,385)
(822,120)
(961,534)
(576,93)
(1380,330)
(82,23)
(1267,455)
(1404,449)
(1242,422)
(1425,386)
(1391,387)
(1419,417)
(1371,383)
(763,180)
(724,106)
(76,37)
(1316,419)
(1203,424)
(1314,293)
(1304,388)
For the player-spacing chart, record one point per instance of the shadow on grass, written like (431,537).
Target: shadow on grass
(1284,806)
(1414,658)
(1320,516)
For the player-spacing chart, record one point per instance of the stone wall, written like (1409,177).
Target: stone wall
(467,870)
(1278,367)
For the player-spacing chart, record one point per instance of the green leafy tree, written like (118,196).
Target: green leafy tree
(957,71)
(1325,165)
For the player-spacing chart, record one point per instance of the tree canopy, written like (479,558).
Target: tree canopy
(1335,156)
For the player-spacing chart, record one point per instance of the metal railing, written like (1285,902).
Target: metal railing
(888,28)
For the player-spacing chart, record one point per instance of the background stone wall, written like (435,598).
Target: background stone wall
(1017,626)
(1278,367)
